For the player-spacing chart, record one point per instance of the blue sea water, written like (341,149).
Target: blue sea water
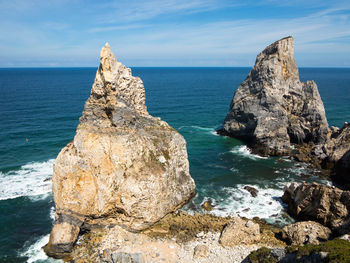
(39,111)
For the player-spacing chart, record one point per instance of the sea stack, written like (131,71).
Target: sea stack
(124,167)
(272,109)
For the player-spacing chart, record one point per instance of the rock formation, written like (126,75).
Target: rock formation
(306,232)
(239,231)
(272,109)
(124,167)
(327,205)
(337,156)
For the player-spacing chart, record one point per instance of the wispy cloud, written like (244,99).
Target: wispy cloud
(171,32)
(127,11)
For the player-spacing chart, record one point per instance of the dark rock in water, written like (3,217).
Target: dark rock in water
(253,191)
(272,108)
(208,205)
(327,205)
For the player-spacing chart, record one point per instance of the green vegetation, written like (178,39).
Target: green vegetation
(338,249)
(262,255)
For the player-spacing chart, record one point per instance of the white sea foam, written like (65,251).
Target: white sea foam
(238,201)
(32,179)
(211,131)
(36,253)
(244,151)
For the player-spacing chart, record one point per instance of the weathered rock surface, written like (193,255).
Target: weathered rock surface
(201,251)
(307,232)
(239,231)
(272,108)
(163,243)
(327,205)
(124,167)
(337,152)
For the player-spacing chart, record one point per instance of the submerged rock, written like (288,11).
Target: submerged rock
(272,108)
(327,205)
(124,167)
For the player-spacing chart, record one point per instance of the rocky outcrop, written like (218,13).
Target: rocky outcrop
(239,231)
(164,242)
(327,205)
(336,153)
(307,232)
(124,167)
(272,109)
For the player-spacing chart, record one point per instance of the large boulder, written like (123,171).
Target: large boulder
(124,167)
(240,232)
(327,205)
(306,232)
(272,108)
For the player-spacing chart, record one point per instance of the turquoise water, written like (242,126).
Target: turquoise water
(39,111)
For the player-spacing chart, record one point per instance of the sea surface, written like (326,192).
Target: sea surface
(39,112)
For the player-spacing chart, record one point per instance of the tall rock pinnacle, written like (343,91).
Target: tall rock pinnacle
(272,109)
(124,167)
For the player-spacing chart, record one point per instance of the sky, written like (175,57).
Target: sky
(224,33)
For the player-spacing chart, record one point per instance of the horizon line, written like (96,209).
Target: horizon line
(76,67)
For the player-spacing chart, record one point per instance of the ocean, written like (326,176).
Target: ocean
(39,112)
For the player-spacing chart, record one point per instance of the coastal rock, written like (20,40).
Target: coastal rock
(122,257)
(253,191)
(62,238)
(124,167)
(337,151)
(327,205)
(208,205)
(201,251)
(272,108)
(239,231)
(307,232)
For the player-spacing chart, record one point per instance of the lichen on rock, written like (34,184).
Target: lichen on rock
(124,167)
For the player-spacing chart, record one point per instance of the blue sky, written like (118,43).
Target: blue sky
(64,33)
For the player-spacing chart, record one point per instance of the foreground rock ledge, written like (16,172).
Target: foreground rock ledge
(272,109)
(124,167)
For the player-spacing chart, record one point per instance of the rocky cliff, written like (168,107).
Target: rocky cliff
(124,167)
(272,109)
(327,205)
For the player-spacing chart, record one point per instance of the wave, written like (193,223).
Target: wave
(211,131)
(32,179)
(267,205)
(244,151)
(35,252)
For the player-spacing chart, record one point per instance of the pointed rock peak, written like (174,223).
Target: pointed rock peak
(282,46)
(280,54)
(108,64)
(114,88)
